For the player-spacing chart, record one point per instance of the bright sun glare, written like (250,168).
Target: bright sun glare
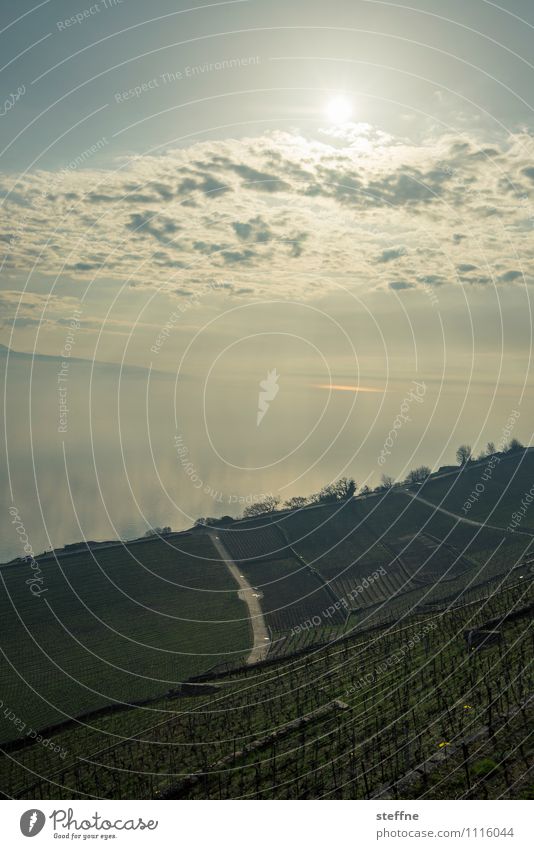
(338,110)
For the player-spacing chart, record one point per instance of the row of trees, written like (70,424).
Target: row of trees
(339,490)
(464,454)
(157,531)
(345,488)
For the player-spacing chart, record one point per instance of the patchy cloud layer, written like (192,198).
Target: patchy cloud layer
(283,213)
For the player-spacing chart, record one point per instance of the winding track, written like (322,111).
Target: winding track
(260,633)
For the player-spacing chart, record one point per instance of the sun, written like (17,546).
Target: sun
(338,110)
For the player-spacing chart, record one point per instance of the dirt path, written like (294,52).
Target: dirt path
(262,641)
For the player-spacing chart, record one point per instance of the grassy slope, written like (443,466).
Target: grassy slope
(120,628)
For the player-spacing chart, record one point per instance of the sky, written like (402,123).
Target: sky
(341,191)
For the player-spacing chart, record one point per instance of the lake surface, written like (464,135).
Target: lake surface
(134,448)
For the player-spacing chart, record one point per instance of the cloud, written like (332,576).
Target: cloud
(432,279)
(232,257)
(391,253)
(509,276)
(407,188)
(207,248)
(285,206)
(401,284)
(84,266)
(477,280)
(208,186)
(296,244)
(153,224)
(30,309)
(259,180)
(253,230)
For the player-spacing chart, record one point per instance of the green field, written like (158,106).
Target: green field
(130,624)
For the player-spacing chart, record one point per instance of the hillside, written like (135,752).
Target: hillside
(369,687)
(379,557)
(489,491)
(122,625)
(407,712)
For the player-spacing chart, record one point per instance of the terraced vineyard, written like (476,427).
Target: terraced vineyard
(430,556)
(493,489)
(415,544)
(121,625)
(404,521)
(338,542)
(369,690)
(407,712)
(247,542)
(291,594)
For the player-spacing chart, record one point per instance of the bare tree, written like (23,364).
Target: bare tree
(338,490)
(418,475)
(463,455)
(268,505)
(386,482)
(514,445)
(296,503)
(156,532)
